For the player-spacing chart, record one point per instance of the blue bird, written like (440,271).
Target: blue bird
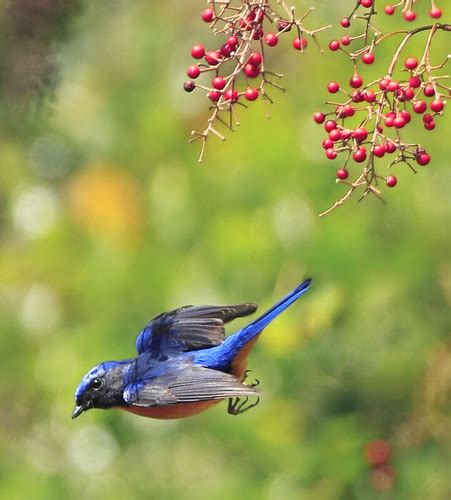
(185,364)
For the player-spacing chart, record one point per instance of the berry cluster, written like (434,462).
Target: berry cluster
(366,124)
(236,71)
(408,13)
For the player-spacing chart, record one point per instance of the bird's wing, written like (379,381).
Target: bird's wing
(189,328)
(189,384)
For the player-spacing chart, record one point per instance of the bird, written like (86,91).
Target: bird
(184,365)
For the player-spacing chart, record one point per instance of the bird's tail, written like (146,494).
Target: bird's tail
(243,336)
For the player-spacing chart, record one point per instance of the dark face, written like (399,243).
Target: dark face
(102,387)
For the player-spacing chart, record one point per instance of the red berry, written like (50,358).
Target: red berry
(359,155)
(213,57)
(348,110)
(208,15)
(346,134)
(189,86)
(422,158)
(257,33)
(414,82)
(334,45)
(331,154)
(437,105)
(299,43)
(393,86)
(369,96)
(406,116)
(345,40)
(411,63)
(333,87)
(357,96)
(328,143)
(389,10)
(356,81)
(259,16)
(251,94)
(226,50)
(197,51)
(378,452)
(335,134)
(390,147)
(283,25)
(342,173)
(391,182)
(388,121)
(401,95)
(399,122)
(330,125)
(255,59)
(231,95)
(435,13)
(218,83)
(246,24)
(360,134)
(409,15)
(384,83)
(345,22)
(251,71)
(419,107)
(319,117)
(428,118)
(409,93)
(271,39)
(429,91)
(368,58)
(251,16)
(193,71)
(429,125)
(378,150)
(233,41)
(340,111)
(366,3)
(214,95)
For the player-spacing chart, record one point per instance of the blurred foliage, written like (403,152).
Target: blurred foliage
(106,219)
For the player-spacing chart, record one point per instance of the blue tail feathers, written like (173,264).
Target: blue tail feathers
(220,357)
(239,339)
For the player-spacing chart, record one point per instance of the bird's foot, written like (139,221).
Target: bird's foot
(255,383)
(239,405)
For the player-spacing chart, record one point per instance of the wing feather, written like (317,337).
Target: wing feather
(189,328)
(188,385)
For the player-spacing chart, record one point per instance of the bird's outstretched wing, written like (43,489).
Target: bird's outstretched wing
(189,328)
(189,384)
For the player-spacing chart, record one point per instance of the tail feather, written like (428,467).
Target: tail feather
(240,338)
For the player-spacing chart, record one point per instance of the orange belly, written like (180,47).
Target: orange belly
(179,410)
(182,410)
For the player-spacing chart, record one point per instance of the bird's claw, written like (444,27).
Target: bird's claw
(255,383)
(239,405)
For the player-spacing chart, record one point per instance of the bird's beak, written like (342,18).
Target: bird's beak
(78,410)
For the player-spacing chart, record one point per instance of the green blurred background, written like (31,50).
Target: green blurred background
(106,219)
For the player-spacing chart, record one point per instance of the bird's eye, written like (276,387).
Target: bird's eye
(96,383)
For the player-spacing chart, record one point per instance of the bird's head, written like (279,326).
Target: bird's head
(101,387)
